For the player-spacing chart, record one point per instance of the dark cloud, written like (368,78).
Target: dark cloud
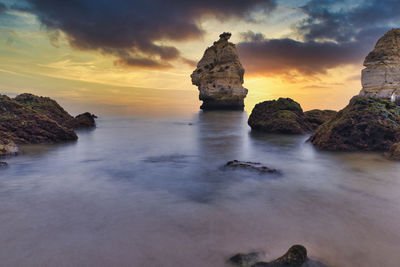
(283,56)
(134,30)
(333,33)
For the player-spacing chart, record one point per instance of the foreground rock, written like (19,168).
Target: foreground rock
(30,119)
(366,124)
(381,77)
(317,117)
(296,256)
(394,152)
(51,109)
(279,116)
(254,166)
(219,77)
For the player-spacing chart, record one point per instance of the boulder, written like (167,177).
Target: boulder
(3,164)
(394,152)
(381,77)
(51,109)
(279,116)
(296,256)
(219,77)
(84,120)
(21,124)
(369,124)
(316,117)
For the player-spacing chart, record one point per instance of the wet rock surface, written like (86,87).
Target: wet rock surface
(365,124)
(248,165)
(219,77)
(3,164)
(296,256)
(84,120)
(279,116)
(394,152)
(316,117)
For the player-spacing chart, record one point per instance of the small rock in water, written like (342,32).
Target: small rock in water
(256,166)
(244,260)
(3,164)
(394,152)
(296,256)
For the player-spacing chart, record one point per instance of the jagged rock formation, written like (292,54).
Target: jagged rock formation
(51,109)
(30,119)
(296,256)
(365,124)
(279,116)
(381,77)
(219,76)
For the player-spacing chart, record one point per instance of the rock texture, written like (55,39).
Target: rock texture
(296,256)
(248,165)
(367,124)
(381,77)
(394,152)
(51,109)
(279,116)
(30,119)
(219,76)
(316,117)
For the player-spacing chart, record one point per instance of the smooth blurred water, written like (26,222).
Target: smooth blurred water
(152,192)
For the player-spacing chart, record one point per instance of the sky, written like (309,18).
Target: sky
(127,57)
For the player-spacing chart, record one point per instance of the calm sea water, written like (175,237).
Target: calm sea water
(151,192)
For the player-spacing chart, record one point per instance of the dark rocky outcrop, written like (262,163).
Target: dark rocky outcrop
(30,119)
(296,256)
(84,120)
(248,165)
(51,109)
(316,117)
(369,124)
(279,116)
(394,152)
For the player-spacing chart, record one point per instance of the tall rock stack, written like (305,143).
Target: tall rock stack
(219,76)
(381,77)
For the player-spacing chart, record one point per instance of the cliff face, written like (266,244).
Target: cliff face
(381,77)
(219,76)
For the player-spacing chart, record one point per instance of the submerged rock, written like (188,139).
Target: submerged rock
(244,260)
(381,77)
(296,256)
(219,76)
(3,164)
(394,152)
(255,166)
(316,117)
(279,116)
(364,124)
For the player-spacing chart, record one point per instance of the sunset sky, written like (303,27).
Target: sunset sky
(126,57)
